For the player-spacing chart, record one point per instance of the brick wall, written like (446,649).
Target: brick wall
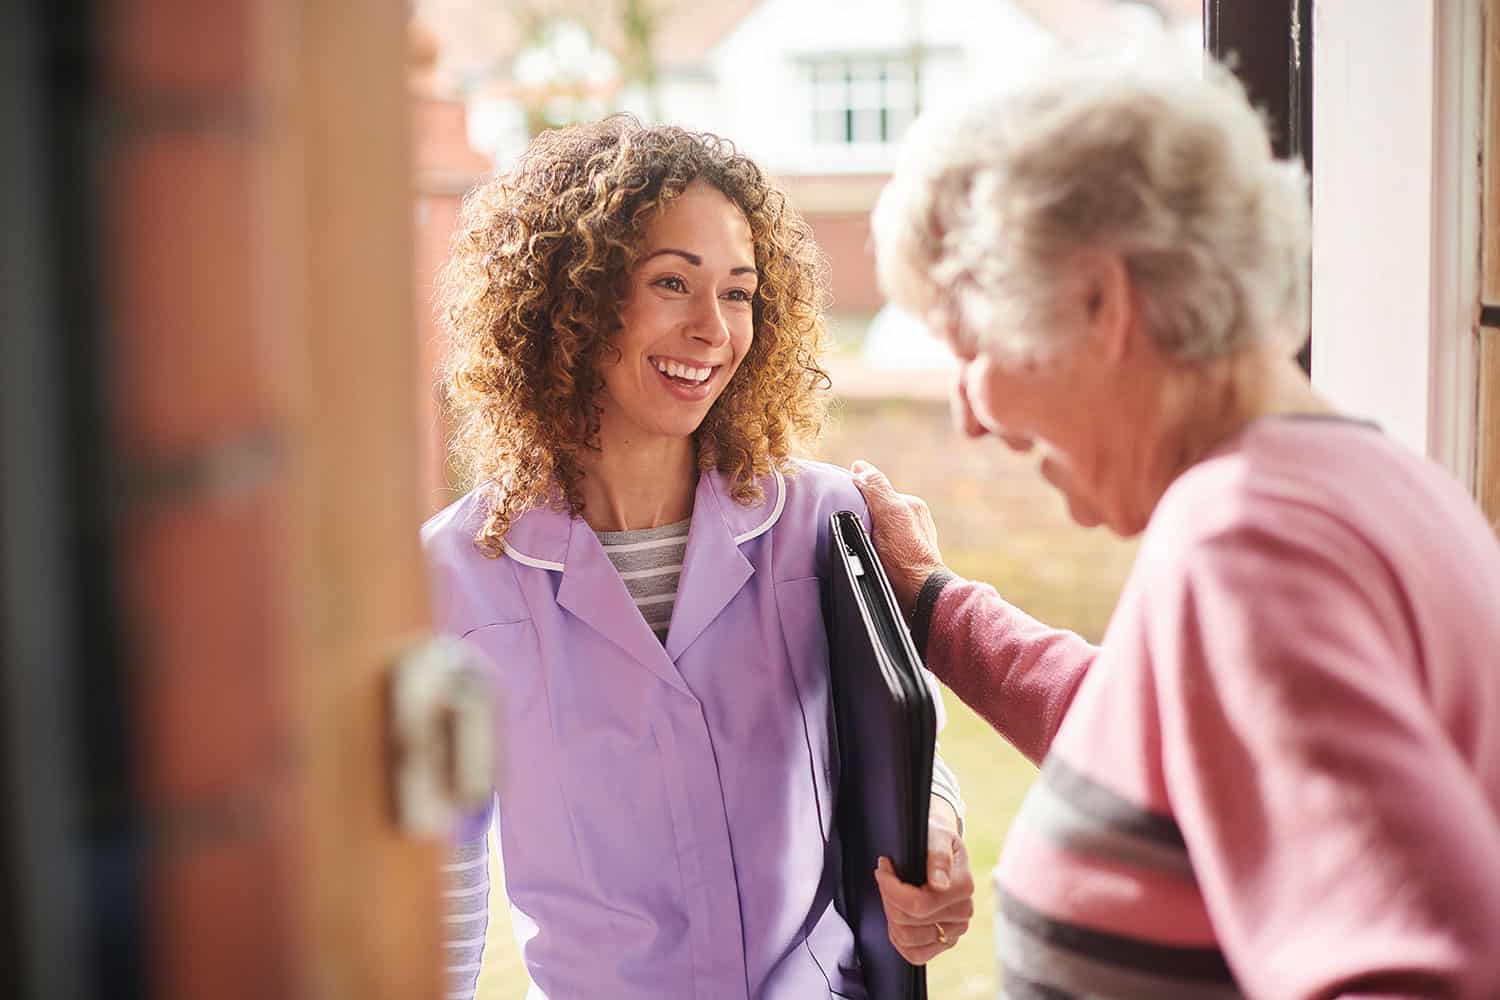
(845,238)
(447,167)
(837,206)
(202,443)
(257,208)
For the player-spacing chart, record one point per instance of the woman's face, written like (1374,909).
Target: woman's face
(1028,405)
(1074,406)
(686,322)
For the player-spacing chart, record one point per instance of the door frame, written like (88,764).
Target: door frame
(1396,208)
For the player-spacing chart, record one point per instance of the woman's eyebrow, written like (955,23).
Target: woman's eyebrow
(691,258)
(694,259)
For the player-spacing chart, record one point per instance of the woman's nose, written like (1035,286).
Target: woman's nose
(709,326)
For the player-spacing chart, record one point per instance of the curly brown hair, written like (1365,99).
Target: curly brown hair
(531,298)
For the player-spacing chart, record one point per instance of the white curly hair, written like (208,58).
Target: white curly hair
(1167,167)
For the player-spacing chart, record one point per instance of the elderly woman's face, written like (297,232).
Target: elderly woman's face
(1071,406)
(687,321)
(1013,404)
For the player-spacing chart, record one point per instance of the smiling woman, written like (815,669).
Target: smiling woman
(635,317)
(551,256)
(687,320)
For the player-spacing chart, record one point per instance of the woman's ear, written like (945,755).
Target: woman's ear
(1109,303)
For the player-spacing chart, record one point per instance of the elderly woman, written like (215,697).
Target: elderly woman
(635,321)
(1279,775)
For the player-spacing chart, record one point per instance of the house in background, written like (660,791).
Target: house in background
(820,92)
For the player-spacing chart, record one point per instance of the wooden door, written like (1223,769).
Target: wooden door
(1488,437)
(343,195)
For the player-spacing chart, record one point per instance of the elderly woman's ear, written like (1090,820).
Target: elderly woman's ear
(1109,308)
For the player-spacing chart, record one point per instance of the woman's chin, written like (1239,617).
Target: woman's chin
(1082,514)
(679,428)
(1084,511)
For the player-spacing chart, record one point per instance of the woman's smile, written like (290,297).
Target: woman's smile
(685,380)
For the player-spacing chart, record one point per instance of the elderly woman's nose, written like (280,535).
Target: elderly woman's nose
(964,420)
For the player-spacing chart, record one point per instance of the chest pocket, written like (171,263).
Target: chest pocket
(800,609)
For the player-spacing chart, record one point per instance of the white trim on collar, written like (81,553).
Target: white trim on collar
(755,532)
(775,515)
(526,560)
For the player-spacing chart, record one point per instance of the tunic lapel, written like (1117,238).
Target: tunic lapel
(591,590)
(714,569)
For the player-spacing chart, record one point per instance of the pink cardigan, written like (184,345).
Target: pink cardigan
(1279,775)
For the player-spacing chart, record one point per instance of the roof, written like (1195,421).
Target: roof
(684,41)
(1093,20)
(477,39)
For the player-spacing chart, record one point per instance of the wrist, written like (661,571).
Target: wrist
(945,813)
(909,588)
(925,604)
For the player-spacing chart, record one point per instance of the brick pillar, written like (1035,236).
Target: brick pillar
(258,203)
(446,167)
(203,441)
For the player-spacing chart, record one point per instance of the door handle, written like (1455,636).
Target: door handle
(442,735)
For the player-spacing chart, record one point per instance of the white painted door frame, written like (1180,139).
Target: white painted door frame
(1397,118)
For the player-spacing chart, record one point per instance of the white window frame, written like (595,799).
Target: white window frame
(869,93)
(1397,119)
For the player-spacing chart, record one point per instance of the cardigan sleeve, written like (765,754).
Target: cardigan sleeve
(1342,845)
(1017,673)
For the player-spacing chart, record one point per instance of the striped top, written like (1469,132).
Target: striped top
(649,560)
(466,901)
(1279,776)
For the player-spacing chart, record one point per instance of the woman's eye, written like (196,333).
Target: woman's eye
(738,295)
(672,283)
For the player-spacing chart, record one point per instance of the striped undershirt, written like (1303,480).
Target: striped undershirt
(649,560)
(466,899)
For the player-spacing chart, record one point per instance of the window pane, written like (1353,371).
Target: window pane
(897,121)
(866,90)
(866,125)
(830,126)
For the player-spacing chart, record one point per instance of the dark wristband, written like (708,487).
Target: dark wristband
(926,604)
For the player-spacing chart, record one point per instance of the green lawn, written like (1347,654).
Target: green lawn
(997,522)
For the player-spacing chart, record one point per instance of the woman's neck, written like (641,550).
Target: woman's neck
(1258,382)
(1199,408)
(631,484)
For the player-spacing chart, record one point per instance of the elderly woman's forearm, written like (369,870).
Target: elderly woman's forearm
(1017,673)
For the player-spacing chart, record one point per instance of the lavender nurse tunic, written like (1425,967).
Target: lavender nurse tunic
(665,810)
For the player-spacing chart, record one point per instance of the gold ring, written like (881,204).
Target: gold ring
(942,938)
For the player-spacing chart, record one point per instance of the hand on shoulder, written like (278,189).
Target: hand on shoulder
(904,534)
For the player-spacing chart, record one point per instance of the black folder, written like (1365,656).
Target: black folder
(887,732)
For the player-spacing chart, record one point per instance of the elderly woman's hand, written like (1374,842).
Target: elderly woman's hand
(904,535)
(926,920)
